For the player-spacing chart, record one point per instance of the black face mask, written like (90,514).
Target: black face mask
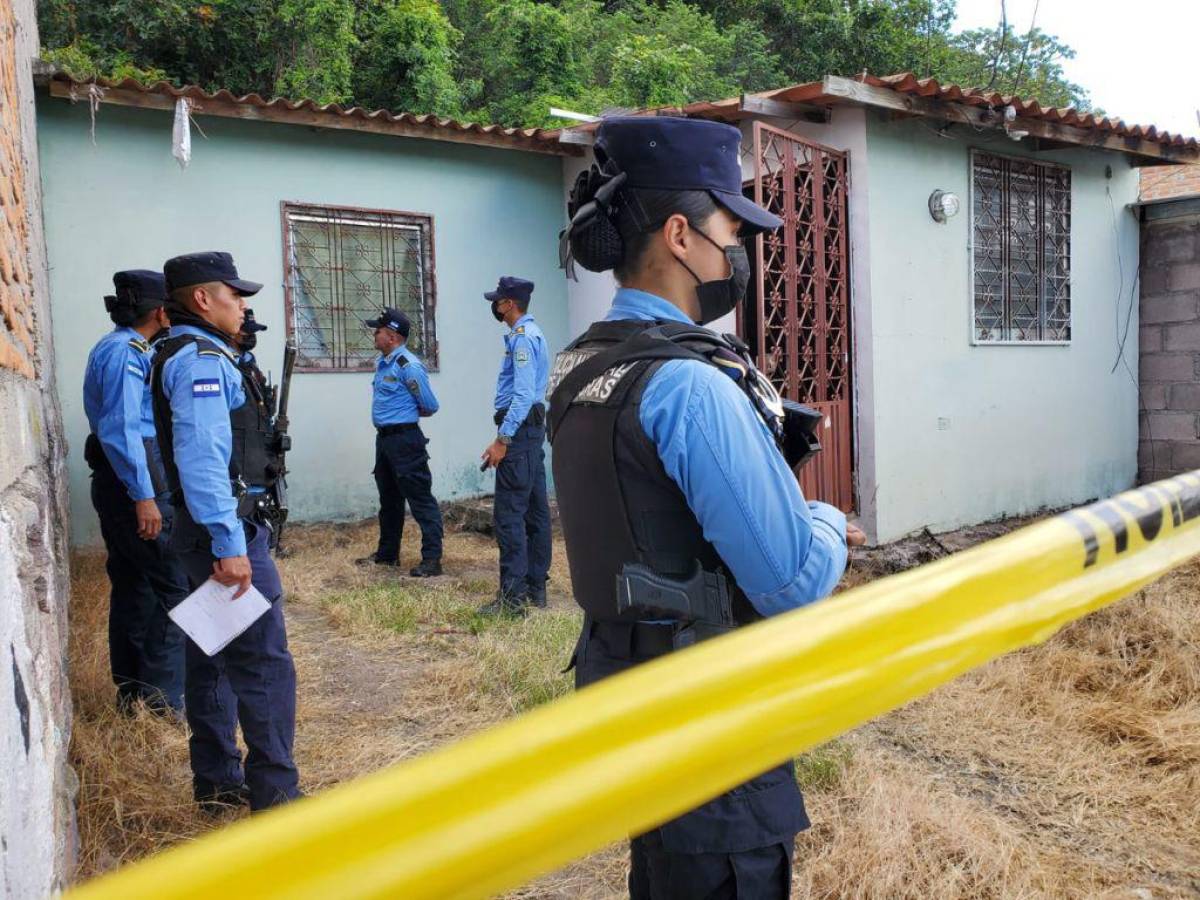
(720,297)
(247,340)
(496,311)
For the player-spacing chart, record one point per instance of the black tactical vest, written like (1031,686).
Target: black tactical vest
(616,502)
(254,460)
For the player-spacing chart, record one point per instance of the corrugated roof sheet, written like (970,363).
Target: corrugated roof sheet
(527,138)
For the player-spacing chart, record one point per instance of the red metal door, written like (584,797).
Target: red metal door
(801,323)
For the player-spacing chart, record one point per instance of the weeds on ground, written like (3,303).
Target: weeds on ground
(822,768)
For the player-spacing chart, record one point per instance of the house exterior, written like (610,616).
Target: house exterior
(968,366)
(338,213)
(1169,320)
(951,288)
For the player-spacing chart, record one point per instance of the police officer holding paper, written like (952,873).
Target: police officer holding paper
(681,515)
(214,433)
(129,494)
(521,510)
(401,396)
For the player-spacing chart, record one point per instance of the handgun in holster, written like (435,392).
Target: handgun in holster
(699,603)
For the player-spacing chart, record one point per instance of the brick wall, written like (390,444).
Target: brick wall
(1159,182)
(36,783)
(1169,438)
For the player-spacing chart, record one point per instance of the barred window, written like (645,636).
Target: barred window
(342,265)
(1021,246)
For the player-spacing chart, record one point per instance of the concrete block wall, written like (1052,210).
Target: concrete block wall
(1169,335)
(36,783)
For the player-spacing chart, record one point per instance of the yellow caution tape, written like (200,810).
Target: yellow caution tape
(622,756)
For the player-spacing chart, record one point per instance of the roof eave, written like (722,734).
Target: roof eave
(163,96)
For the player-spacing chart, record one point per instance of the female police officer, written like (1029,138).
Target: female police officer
(669,471)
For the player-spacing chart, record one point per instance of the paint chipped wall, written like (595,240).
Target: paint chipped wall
(36,784)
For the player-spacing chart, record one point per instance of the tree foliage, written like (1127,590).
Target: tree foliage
(509,61)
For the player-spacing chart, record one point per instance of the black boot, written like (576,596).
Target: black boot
(506,604)
(374,560)
(426,568)
(215,801)
(537,596)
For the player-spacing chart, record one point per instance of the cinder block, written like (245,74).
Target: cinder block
(1184,397)
(1154,396)
(1168,426)
(1184,336)
(1150,339)
(1158,308)
(1184,456)
(1169,367)
(1183,277)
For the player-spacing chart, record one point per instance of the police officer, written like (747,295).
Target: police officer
(401,396)
(129,494)
(213,432)
(521,511)
(262,393)
(668,466)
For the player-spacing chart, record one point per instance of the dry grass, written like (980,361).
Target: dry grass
(1069,770)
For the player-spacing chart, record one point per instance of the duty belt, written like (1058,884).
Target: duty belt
(385,430)
(537,415)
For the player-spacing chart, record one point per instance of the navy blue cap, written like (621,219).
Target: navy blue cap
(672,154)
(141,288)
(250,325)
(201,268)
(393,319)
(511,288)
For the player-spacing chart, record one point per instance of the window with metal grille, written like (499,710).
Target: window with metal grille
(1021,250)
(342,265)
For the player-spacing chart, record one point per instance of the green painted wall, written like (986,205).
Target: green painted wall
(967,433)
(122,202)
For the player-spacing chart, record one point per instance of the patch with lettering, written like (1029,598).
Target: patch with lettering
(521,356)
(206,387)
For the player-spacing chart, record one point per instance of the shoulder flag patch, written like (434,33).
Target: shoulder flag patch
(206,387)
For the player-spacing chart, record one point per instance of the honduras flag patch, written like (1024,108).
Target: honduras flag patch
(206,387)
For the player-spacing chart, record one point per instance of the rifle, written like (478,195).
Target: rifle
(283,441)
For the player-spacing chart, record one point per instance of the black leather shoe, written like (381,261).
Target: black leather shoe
(426,568)
(374,560)
(223,799)
(537,597)
(505,605)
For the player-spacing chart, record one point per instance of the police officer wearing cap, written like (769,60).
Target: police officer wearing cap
(130,497)
(681,517)
(212,432)
(521,511)
(401,395)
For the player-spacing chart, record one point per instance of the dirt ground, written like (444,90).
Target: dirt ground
(1068,770)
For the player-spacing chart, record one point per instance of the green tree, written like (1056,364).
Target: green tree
(318,47)
(1028,65)
(407,60)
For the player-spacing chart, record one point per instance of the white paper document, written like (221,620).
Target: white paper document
(212,618)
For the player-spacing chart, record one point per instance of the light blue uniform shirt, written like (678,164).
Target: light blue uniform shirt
(116,400)
(401,391)
(524,373)
(783,552)
(203,387)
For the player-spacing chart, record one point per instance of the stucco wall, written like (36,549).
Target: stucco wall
(124,203)
(967,433)
(36,784)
